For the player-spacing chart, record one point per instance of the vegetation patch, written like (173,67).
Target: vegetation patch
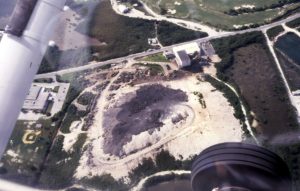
(25,156)
(155,69)
(226,46)
(201,99)
(44,80)
(166,178)
(55,59)
(77,84)
(246,10)
(169,34)
(248,65)
(50,60)
(246,62)
(275,31)
(294,23)
(163,161)
(72,115)
(60,166)
(32,156)
(104,182)
(122,35)
(86,98)
(159,57)
(111,28)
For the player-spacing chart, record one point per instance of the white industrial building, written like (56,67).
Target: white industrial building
(183,53)
(182,59)
(44,98)
(37,99)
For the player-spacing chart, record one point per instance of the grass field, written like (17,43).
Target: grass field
(159,57)
(212,12)
(27,150)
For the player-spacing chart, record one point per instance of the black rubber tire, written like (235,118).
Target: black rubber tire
(240,165)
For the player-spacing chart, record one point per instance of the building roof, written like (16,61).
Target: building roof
(190,48)
(36,99)
(184,58)
(33,93)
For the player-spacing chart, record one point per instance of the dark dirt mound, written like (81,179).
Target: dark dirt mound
(143,112)
(149,95)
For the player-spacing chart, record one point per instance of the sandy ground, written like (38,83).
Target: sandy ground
(30,116)
(71,139)
(214,124)
(15,158)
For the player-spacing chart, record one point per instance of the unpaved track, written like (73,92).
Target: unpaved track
(291,97)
